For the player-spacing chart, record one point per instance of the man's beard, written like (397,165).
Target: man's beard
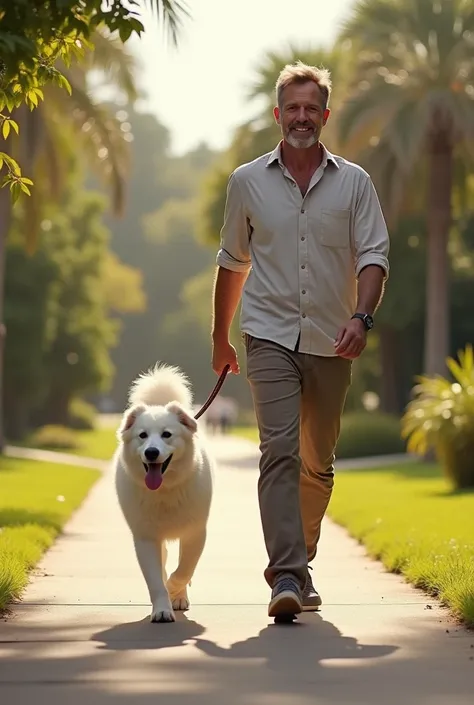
(302,141)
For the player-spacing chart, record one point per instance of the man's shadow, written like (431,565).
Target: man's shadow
(296,647)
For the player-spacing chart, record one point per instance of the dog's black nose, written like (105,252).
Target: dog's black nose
(151,454)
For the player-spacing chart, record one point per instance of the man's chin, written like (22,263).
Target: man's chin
(302,142)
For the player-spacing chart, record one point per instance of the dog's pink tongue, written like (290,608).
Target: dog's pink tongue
(153,478)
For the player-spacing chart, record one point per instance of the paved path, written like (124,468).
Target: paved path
(54,456)
(82,634)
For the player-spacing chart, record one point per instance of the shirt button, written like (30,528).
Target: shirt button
(304,291)
(303,238)
(303,210)
(304,315)
(303,266)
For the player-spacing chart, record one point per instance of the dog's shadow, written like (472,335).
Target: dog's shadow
(143,634)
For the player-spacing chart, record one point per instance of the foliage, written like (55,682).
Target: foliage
(157,236)
(366,434)
(414,73)
(36,501)
(54,437)
(40,37)
(441,417)
(406,516)
(59,299)
(81,415)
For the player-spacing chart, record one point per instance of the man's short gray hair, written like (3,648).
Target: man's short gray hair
(302,73)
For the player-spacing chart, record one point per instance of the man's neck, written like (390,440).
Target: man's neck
(302,160)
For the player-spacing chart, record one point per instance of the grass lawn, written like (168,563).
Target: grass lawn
(36,499)
(248,432)
(408,517)
(99,443)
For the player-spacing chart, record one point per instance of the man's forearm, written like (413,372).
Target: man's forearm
(228,287)
(370,289)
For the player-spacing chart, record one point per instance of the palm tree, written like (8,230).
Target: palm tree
(412,102)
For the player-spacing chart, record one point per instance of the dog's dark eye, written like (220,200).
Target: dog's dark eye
(166,434)
(143,434)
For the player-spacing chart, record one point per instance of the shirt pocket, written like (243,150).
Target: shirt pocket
(335,227)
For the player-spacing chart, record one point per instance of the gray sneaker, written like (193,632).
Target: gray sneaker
(286,599)
(311,597)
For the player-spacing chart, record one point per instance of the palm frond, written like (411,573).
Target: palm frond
(169,13)
(110,57)
(102,139)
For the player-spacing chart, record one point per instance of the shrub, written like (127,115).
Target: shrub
(54,438)
(81,416)
(365,433)
(441,417)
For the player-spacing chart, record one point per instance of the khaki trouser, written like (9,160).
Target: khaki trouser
(298,401)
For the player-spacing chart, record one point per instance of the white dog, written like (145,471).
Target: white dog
(164,484)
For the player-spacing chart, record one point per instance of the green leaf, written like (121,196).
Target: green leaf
(15,188)
(125,32)
(15,126)
(136,26)
(6,129)
(25,188)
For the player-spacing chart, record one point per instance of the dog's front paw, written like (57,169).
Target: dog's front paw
(162,611)
(180,601)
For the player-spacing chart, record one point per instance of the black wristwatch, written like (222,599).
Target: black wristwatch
(366,319)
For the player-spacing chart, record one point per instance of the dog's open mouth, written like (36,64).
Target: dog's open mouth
(154,475)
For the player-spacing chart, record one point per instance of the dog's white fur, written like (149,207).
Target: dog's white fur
(161,400)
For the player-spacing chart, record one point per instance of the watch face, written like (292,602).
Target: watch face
(369,321)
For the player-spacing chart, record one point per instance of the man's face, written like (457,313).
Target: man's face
(301,114)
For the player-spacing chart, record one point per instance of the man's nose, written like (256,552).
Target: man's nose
(302,116)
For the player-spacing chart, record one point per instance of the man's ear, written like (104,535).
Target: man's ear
(129,418)
(184,418)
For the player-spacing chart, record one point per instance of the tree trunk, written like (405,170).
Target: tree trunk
(436,345)
(389,385)
(5,220)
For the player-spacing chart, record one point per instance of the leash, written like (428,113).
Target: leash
(203,408)
(214,392)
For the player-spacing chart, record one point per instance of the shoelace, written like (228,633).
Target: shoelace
(286,584)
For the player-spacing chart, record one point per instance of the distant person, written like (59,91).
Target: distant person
(305,244)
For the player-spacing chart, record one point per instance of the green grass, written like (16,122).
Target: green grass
(99,443)
(36,499)
(248,432)
(408,517)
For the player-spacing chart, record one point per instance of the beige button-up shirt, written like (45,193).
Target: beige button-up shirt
(304,253)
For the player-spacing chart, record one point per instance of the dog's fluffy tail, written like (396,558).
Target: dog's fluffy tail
(160,385)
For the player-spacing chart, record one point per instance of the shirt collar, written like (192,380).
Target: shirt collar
(275,156)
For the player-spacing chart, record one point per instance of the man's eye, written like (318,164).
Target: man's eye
(143,434)
(166,434)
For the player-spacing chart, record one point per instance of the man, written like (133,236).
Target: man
(305,244)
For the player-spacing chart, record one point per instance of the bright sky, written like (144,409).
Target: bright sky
(199,89)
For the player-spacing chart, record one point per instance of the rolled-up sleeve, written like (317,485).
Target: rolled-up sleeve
(371,239)
(234,252)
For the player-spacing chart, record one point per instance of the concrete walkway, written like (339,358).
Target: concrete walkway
(82,633)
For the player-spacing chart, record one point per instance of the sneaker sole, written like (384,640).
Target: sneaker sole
(313,606)
(284,604)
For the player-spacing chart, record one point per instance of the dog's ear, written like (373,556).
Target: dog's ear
(184,418)
(129,418)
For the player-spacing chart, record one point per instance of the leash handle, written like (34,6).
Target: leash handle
(214,392)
